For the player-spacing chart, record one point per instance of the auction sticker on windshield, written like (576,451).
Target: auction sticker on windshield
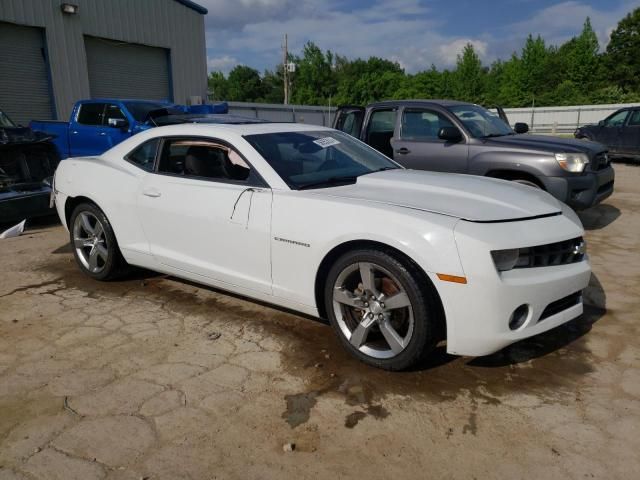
(326,142)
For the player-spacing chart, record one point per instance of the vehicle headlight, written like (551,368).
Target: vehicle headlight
(572,162)
(505,259)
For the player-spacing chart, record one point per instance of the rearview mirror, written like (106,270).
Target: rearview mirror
(117,123)
(521,127)
(450,134)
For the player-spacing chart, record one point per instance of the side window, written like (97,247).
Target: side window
(634,121)
(202,158)
(113,111)
(617,119)
(350,122)
(145,155)
(422,125)
(380,130)
(91,114)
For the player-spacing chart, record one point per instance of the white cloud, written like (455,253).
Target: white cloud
(406,31)
(223,64)
(448,52)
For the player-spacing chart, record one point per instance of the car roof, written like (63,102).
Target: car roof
(418,102)
(218,118)
(238,128)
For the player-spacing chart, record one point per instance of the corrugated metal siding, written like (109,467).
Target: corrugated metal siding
(24,83)
(127,70)
(161,23)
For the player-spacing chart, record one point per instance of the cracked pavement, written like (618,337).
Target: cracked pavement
(156,378)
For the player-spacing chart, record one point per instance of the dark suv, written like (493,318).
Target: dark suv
(457,137)
(620,132)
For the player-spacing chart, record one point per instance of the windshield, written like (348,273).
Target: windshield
(140,110)
(318,159)
(5,121)
(480,122)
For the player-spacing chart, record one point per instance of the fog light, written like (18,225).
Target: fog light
(519,316)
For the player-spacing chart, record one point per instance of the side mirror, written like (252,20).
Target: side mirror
(450,134)
(521,127)
(117,123)
(601,123)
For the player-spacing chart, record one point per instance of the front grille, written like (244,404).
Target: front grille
(559,253)
(561,305)
(600,161)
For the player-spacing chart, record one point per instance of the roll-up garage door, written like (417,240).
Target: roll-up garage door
(127,70)
(24,80)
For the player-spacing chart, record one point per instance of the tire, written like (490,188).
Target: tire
(529,183)
(364,327)
(94,244)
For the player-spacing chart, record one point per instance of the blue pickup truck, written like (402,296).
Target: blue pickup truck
(97,125)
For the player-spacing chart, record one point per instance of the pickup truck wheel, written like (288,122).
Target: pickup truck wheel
(94,244)
(527,182)
(380,309)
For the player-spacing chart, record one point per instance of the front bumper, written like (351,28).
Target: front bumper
(582,191)
(478,313)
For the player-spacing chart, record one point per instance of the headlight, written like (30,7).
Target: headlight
(505,259)
(572,162)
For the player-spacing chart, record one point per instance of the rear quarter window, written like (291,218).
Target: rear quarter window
(145,155)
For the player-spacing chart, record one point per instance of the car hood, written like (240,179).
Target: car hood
(468,197)
(547,144)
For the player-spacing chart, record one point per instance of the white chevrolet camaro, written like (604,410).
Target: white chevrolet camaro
(311,219)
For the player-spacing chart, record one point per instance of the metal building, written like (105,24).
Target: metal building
(54,52)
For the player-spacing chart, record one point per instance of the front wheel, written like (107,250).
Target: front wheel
(94,244)
(528,183)
(381,309)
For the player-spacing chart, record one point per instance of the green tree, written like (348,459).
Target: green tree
(218,88)
(469,76)
(622,59)
(244,84)
(313,81)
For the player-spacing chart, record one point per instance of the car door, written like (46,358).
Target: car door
(207,212)
(349,120)
(418,146)
(630,134)
(610,131)
(87,134)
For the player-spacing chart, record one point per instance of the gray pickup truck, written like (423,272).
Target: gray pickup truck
(457,137)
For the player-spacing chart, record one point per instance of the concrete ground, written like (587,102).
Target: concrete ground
(155,378)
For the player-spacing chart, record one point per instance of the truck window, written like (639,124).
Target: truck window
(113,111)
(634,121)
(418,124)
(91,114)
(617,119)
(350,123)
(380,131)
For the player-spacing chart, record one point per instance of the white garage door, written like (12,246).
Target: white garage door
(127,70)
(24,81)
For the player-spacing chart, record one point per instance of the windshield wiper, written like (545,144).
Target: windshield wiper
(329,182)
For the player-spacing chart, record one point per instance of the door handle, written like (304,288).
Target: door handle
(403,151)
(102,134)
(151,192)
(75,132)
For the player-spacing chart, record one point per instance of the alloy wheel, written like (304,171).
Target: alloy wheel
(90,242)
(373,310)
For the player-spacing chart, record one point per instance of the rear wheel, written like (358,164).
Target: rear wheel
(94,244)
(380,308)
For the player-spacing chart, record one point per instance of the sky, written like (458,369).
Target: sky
(415,33)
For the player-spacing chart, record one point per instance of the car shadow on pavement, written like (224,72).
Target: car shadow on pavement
(546,343)
(599,216)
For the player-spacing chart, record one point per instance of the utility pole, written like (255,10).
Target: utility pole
(285,70)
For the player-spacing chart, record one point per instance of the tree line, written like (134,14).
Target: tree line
(574,73)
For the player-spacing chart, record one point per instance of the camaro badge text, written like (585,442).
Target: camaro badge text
(292,241)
